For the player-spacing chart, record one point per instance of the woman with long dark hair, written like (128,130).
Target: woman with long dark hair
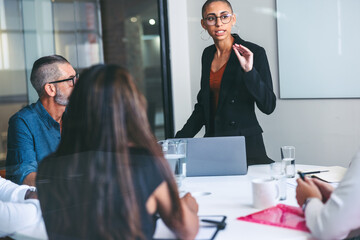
(235,76)
(108,178)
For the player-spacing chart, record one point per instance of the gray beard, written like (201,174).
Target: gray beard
(60,98)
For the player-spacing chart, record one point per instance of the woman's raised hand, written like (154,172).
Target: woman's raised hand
(245,57)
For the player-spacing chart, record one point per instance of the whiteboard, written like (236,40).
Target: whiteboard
(319,48)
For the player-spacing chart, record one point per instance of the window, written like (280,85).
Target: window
(129,33)
(30,29)
(134,36)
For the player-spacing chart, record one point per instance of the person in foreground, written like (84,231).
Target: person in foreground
(332,213)
(235,75)
(34,131)
(109,179)
(20,213)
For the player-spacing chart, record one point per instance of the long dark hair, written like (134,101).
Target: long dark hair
(105,116)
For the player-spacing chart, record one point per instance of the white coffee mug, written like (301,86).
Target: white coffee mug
(266,193)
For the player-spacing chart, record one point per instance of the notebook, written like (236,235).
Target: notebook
(216,156)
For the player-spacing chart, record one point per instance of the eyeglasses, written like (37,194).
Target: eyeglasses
(73,79)
(211,19)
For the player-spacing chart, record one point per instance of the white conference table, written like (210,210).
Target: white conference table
(232,196)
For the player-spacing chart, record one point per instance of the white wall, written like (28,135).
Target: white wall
(180,66)
(324,132)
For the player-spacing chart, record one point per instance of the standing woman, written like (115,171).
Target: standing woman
(108,179)
(235,76)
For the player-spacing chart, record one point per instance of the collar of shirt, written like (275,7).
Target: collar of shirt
(45,116)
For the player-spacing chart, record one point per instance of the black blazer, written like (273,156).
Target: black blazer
(239,91)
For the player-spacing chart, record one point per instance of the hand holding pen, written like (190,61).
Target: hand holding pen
(306,189)
(325,189)
(302,174)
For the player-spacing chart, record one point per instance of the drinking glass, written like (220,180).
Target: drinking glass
(277,172)
(175,153)
(288,159)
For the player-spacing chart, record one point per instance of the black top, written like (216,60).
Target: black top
(239,92)
(62,211)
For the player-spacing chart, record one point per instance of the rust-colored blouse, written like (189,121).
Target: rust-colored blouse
(215,83)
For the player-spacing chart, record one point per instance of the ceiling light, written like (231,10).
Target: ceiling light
(152,22)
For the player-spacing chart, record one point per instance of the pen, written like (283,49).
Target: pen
(219,224)
(302,174)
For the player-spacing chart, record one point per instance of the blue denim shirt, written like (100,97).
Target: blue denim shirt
(32,135)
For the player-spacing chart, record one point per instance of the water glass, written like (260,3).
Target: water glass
(175,153)
(277,172)
(288,159)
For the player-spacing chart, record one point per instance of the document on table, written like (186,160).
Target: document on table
(206,230)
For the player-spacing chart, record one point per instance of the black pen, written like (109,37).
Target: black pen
(302,174)
(219,224)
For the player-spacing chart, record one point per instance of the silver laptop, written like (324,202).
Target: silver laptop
(216,156)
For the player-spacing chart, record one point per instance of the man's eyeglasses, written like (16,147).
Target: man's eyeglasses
(73,79)
(211,19)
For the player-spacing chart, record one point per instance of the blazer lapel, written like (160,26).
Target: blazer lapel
(206,78)
(228,78)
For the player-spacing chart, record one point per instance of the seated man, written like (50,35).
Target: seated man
(34,131)
(20,215)
(329,213)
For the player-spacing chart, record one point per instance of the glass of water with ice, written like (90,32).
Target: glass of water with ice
(175,153)
(288,160)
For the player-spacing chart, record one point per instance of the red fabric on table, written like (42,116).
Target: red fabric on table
(280,215)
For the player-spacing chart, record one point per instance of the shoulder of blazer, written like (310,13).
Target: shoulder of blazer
(208,51)
(206,60)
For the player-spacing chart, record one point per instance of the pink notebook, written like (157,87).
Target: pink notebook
(280,215)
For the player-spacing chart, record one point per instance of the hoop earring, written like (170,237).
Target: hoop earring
(202,35)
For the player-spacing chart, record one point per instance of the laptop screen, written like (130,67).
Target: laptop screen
(216,156)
